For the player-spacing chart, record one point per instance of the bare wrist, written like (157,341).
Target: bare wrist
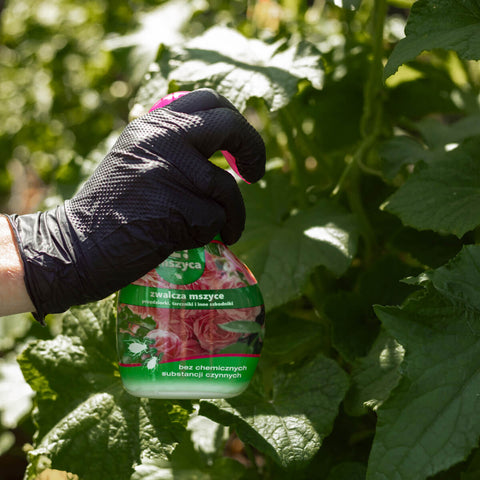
(13,294)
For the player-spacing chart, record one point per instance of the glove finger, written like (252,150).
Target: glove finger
(225,192)
(207,182)
(203,219)
(223,128)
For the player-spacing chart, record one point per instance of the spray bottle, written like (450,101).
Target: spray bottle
(192,327)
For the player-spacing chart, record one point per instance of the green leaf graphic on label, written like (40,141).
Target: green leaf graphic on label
(241,326)
(183,267)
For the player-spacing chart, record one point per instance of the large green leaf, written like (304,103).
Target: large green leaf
(290,424)
(438,134)
(458,279)
(284,344)
(143,42)
(235,66)
(82,410)
(189,460)
(447,24)
(282,245)
(443,196)
(375,375)
(430,422)
(399,151)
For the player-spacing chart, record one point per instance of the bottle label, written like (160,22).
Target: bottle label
(196,319)
(222,374)
(140,295)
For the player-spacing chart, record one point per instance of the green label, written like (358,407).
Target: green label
(243,297)
(183,267)
(223,369)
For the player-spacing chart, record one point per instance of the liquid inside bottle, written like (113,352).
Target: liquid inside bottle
(191,328)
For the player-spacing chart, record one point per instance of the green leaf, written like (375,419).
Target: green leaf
(235,66)
(284,344)
(429,248)
(437,134)
(382,281)
(143,42)
(208,437)
(400,151)
(354,325)
(443,196)
(375,375)
(241,326)
(82,410)
(457,280)
(282,245)
(347,312)
(291,425)
(430,421)
(189,462)
(431,89)
(447,24)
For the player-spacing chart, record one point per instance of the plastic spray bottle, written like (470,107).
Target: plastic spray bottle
(192,327)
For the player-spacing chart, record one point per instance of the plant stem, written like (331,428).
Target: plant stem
(357,160)
(250,455)
(372,116)
(354,196)
(371,126)
(371,122)
(297,158)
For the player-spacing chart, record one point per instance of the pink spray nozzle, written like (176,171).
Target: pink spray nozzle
(163,102)
(173,96)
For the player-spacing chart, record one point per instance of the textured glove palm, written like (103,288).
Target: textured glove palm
(154,193)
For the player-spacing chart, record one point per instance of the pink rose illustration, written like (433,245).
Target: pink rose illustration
(192,348)
(175,321)
(166,342)
(209,335)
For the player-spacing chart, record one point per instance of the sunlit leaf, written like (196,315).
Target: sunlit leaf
(235,66)
(283,247)
(444,196)
(429,422)
(291,425)
(448,24)
(83,410)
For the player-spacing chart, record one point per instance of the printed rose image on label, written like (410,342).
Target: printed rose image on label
(191,328)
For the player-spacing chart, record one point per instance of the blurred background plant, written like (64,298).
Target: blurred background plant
(355,199)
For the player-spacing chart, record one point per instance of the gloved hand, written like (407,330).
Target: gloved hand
(154,193)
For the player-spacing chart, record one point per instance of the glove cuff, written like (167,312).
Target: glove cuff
(49,268)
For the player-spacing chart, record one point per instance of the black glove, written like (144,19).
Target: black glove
(154,193)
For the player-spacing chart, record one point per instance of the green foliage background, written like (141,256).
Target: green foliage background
(363,235)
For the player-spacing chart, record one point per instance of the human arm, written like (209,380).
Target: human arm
(154,193)
(13,293)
